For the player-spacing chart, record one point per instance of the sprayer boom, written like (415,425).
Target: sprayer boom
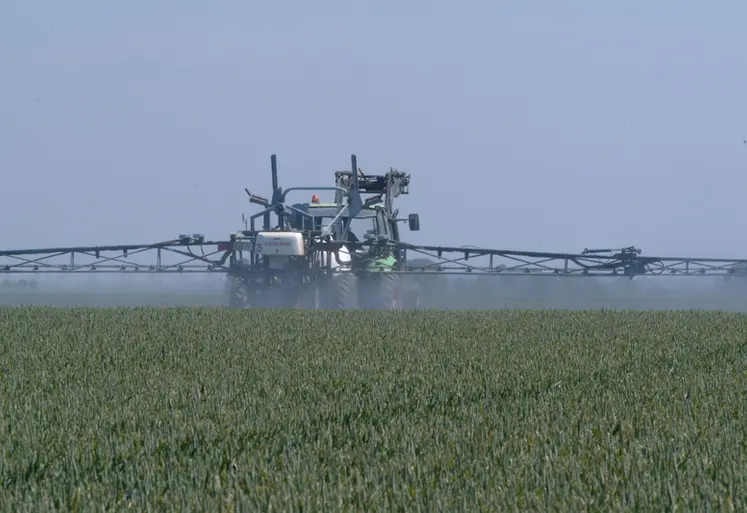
(195,255)
(328,246)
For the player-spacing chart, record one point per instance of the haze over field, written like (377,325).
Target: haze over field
(551,127)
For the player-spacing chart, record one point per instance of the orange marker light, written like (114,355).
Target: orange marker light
(315,199)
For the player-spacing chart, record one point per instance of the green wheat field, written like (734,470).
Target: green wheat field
(211,409)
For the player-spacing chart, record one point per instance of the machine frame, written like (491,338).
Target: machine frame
(319,262)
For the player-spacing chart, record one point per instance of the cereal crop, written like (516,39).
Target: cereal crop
(223,410)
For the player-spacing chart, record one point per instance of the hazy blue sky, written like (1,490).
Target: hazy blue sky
(528,125)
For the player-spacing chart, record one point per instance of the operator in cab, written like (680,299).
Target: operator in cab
(352,237)
(317,220)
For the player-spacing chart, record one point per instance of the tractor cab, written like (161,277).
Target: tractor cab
(370,222)
(318,212)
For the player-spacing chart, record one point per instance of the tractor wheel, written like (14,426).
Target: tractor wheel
(388,291)
(239,294)
(380,292)
(337,292)
(343,291)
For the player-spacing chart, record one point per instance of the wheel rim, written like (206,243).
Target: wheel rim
(241,294)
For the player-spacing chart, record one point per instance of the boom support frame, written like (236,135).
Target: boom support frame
(199,256)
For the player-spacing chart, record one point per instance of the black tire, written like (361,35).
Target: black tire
(380,292)
(342,291)
(337,292)
(388,291)
(239,294)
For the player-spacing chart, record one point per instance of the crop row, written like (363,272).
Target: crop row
(217,409)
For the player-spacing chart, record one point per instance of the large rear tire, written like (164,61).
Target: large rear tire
(381,292)
(388,291)
(341,291)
